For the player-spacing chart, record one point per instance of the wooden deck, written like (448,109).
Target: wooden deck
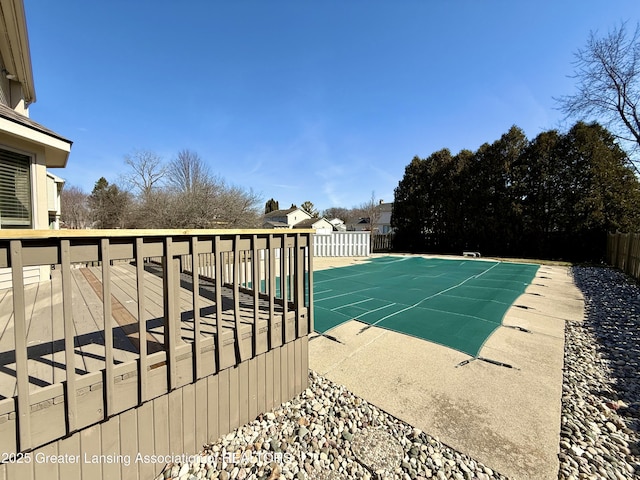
(45,329)
(120,322)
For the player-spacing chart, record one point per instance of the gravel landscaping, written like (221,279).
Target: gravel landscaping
(600,430)
(329,433)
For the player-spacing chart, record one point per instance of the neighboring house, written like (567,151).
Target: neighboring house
(55,185)
(361,225)
(285,218)
(27,148)
(338,225)
(322,226)
(381,220)
(296,218)
(383,223)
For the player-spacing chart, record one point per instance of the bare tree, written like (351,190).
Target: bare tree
(193,192)
(153,212)
(608,74)
(189,173)
(239,208)
(201,200)
(147,172)
(181,194)
(75,208)
(371,210)
(343,214)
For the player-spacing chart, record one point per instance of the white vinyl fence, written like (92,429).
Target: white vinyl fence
(334,244)
(342,244)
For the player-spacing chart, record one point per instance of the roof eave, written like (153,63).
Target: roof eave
(17,54)
(56,149)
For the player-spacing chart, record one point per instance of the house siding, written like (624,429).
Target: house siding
(286,217)
(4,89)
(297,217)
(39,203)
(383,225)
(11,95)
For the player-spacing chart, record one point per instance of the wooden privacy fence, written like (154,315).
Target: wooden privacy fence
(381,243)
(623,251)
(112,331)
(342,244)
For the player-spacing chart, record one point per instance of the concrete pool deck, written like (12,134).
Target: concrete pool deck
(507,417)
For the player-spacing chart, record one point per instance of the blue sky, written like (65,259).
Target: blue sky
(325,101)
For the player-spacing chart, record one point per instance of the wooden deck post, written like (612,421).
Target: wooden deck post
(241,351)
(271,287)
(195,276)
(284,293)
(223,361)
(69,333)
(310,282)
(255,285)
(20,338)
(142,323)
(108,326)
(301,328)
(171,287)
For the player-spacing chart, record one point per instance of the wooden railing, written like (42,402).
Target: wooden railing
(623,252)
(252,294)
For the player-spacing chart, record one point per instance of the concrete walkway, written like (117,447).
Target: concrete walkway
(506,418)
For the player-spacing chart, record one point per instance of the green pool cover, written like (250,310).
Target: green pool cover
(455,303)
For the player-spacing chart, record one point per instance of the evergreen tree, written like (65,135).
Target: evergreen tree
(271,206)
(309,208)
(410,216)
(109,205)
(541,192)
(554,197)
(601,191)
(493,207)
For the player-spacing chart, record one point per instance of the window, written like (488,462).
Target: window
(15,190)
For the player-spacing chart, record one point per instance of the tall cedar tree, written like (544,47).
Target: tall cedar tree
(271,206)
(555,196)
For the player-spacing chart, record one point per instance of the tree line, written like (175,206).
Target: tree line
(181,193)
(555,196)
